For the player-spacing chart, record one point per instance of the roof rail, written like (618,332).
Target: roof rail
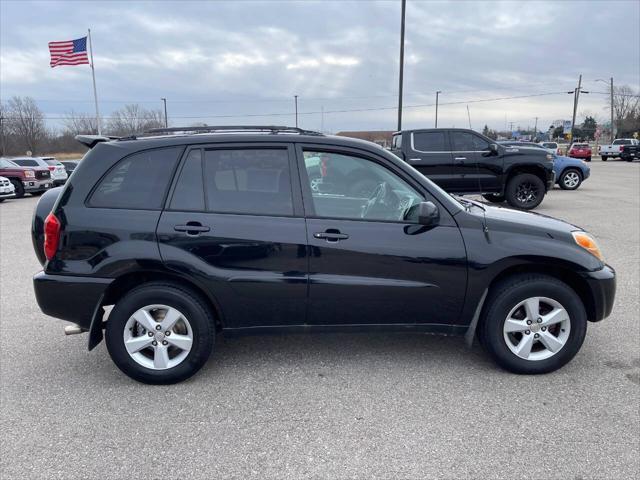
(92,140)
(274,129)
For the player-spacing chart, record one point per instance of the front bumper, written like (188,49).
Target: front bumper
(33,185)
(7,192)
(602,286)
(70,298)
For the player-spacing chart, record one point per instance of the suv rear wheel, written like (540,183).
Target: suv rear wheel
(525,191)
(159,333)
(533,324)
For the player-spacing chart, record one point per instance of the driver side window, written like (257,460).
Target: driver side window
(350,187)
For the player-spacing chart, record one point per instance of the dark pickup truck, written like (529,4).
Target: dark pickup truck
(463,161)
(630,152)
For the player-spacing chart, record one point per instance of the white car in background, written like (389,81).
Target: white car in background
(7,190)
(59,174)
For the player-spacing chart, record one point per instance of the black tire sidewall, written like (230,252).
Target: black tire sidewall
(508,296)
(493,197)
(512,186)
(197,314)
(562,177)
(19,188)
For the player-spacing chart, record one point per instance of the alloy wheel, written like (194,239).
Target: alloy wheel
(537,328)
(571,179)
(158,337)
(526,192)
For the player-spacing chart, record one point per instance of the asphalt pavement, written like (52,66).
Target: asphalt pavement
(329,406)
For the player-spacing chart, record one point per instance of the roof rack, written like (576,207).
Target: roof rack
(273,129)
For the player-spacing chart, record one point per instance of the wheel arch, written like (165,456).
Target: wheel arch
(566,275)
(123,284)
(536,170)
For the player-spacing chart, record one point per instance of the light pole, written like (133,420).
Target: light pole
(295,99)
(611,100)
(404,5)
(437,95)
(166,120)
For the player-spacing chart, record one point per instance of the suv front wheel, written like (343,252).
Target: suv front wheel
(533,324)
(525,191)
(160,333)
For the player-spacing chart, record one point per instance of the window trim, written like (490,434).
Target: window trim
(179,148)
(296,200)
(446,143)
(307,195)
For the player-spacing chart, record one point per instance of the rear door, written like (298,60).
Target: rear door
(477,169)
(370,262)
(234,224)
(429,152)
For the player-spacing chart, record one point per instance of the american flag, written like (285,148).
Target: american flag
(72,52)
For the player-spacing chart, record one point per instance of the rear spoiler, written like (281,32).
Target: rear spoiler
(92,140)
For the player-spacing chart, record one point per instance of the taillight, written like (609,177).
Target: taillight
(51,235)
(621,148)
(52,168)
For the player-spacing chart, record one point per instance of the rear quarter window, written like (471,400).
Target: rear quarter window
(26,163)
(137,182)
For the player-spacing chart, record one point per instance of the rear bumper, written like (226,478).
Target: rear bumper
(602,286)
(70,298)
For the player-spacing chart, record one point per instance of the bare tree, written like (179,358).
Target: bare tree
(6,129)
(132,119)
(27,122)
(80,123)
(626,110)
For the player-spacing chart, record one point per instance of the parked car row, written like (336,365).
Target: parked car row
(33,175)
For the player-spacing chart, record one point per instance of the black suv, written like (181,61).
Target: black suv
(463,161)
(190,235)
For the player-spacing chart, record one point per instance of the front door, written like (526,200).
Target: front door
(370,262)
(476,167)
(234,223)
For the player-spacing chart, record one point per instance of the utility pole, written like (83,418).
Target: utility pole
(469,117)
(437,95)
(321,118)
(535,130)
(166,119)
(295,98)
(404,5)
(576,96)
(612,128)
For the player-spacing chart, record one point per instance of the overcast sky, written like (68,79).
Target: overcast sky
(224,62)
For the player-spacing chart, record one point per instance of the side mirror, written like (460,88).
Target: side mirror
(493,148)
(428,214)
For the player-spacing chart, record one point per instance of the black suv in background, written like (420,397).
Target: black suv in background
(191,235)
(463,161)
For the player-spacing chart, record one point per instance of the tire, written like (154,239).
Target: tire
(37,194)
(195,321)
(525,191)
(569,334)
(2,200)
(19,188)
(493,197)
(604,158)
(570,179)
(588,159)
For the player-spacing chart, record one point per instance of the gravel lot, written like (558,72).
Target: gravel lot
(329,406)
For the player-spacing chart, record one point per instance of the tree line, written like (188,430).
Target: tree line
(23,127)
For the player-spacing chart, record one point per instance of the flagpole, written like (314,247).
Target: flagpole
(95,92)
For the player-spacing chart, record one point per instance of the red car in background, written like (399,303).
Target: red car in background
(580,150)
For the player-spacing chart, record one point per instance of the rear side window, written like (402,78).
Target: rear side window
(429,142)
(26,163)
(189,192)
(248,181)
(137,182)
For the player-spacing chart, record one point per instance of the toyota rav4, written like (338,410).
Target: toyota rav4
(190,233)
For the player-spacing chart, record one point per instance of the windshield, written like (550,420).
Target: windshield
(550,145)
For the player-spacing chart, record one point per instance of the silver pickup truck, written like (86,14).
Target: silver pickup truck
(615,149)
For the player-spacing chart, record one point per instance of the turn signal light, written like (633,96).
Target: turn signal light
(51,235)
(587,242)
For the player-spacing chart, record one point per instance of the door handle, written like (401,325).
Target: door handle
(415,159)
(460,158)
(331,236)
(192,228)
